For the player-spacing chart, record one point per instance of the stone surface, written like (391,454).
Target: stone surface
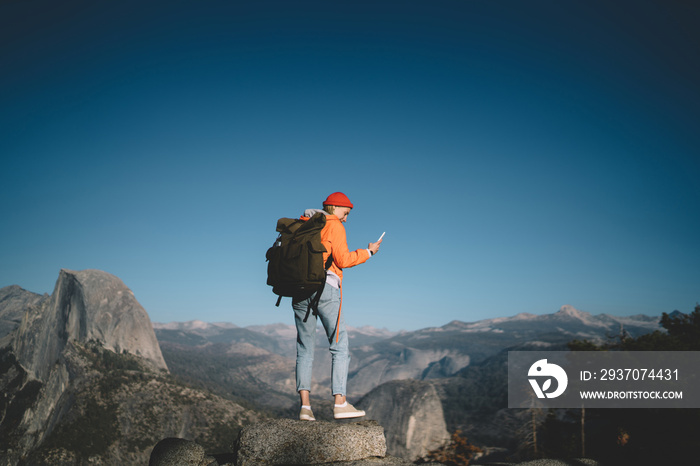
(286,441)
(387,460)
(179,452)
(550,462)
(411,413)
(14,302)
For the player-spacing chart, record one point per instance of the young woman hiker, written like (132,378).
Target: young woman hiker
(336,207)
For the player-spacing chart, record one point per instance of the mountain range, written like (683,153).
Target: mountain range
(465,363)
(379,355)
(89,348)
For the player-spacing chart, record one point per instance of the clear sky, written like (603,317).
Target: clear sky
(520,155)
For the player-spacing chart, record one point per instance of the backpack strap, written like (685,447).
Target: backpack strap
(313,303)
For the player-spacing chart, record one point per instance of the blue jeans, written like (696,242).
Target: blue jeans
(328,307)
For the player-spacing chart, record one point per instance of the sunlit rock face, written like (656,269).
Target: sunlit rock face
(412,416)
(88,305)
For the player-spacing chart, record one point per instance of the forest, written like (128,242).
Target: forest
(631,436)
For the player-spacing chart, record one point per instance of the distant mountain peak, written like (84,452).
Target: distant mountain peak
(571,311)
(197,324)
(193,325)
(372,331)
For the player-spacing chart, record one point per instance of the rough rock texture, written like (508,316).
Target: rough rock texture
(411,413)
(552,462)
(286,441)
(86,305)
(179,452)
(14,302)
(387,460)
(109,411)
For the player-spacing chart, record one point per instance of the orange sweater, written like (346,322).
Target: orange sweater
(335,241)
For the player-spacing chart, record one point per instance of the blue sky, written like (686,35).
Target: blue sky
(520,155)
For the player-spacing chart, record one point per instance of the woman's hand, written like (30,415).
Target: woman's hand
(374,247)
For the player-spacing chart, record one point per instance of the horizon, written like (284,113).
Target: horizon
(518,155)
(563,309)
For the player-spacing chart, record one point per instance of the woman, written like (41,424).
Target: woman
(336,207)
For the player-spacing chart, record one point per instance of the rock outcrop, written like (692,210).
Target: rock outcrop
(89,305)
(412,415)
(174,451)
(14,302)
(110,412)
(286,441)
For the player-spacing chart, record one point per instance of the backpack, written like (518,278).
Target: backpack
(295,266)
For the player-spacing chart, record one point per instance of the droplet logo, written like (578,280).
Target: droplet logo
(547,371)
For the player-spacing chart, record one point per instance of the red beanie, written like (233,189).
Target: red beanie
(338,200)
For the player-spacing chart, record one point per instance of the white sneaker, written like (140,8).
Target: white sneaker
(306,415)
(347,411)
